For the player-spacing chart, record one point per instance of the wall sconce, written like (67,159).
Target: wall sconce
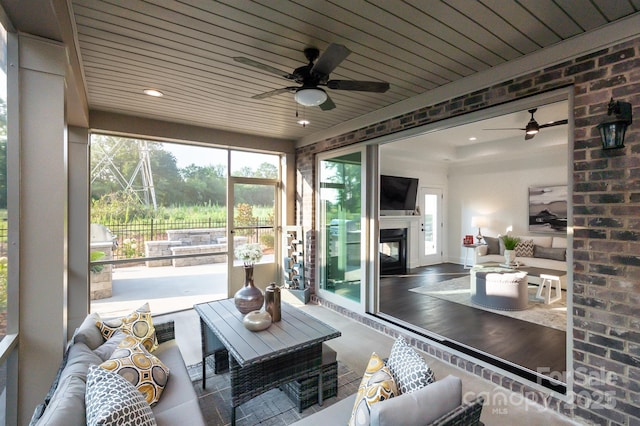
(479,221)
(612,131)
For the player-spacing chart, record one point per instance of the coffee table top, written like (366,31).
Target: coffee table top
(532,271)
(296,330)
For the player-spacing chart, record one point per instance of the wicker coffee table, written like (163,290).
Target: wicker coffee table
(290,349)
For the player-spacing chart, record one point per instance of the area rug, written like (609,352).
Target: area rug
(270,408)
(458,290)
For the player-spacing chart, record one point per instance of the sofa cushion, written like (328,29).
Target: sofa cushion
(550,253)
(144,371)
(89,333)
(138,324)
(112,400)
(408,368)
(179,392)
(79,359)
(376,385)
(67,404)
(524,248)
(559,242)
(541,241)
(105,350)
(420,407)
(493,245)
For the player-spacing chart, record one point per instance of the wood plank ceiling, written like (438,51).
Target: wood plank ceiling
(185,49)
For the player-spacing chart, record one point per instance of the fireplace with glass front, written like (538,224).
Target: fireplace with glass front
(393,251)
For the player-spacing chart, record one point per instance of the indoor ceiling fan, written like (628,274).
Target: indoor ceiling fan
(532,128)
(312,75)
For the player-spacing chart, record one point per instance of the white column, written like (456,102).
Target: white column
(43,221)
(78,297)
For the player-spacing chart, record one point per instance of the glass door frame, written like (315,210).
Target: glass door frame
(365,240)
(431,259)
(265,272)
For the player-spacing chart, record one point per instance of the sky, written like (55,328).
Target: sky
(204,156)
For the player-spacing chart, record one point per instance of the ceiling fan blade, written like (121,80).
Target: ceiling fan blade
(330,59)
(506,128)
(555,123)
(274,92)
(263,67)
(327,105)
(362,86)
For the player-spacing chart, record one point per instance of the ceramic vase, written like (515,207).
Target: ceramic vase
(249,297)
(257,320)
(509,257)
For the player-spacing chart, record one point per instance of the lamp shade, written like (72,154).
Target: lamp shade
(310,96)
(479,221)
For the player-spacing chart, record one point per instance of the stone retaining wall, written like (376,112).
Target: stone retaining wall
(101,282)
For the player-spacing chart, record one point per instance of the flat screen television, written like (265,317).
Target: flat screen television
(398,193)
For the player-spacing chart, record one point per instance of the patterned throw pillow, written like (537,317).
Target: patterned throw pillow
(524,248)
(377,385)
(144,371)
(137,324)
(111,400)
(408,368)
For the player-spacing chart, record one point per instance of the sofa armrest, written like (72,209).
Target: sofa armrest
(165,331)
(465,414)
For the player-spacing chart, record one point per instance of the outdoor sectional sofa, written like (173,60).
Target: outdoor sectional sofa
(64,404)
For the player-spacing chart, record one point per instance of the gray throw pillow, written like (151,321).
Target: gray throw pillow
(67,404)
(409,370)
(550,253)
(420,407)
(493,246)
(89,333)
(105,350)
(112,400)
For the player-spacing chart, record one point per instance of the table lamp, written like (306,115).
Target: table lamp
(479,221)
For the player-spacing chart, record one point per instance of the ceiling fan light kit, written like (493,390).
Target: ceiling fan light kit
(533,128)
(310,96)
(316,74)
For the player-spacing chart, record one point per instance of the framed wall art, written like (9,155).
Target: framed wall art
(548,209)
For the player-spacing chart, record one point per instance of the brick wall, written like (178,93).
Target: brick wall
(606,211)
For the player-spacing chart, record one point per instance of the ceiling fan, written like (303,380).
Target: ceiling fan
(312,75)
(532,128)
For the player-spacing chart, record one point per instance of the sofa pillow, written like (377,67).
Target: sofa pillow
(79,359)
(420,407)
(105,350)
(550,253)
(144,371)
(111,400)
(88,332)
(524,248)
(376,385)
(502,248)
(493,245)
(409,370)
(138,324)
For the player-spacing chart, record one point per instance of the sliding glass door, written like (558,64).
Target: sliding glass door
(340,218)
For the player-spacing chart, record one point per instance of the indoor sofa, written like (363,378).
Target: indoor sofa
(537,252)
(64,404)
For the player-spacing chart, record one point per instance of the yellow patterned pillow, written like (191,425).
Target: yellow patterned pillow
(144,371)
(137,324)
(377,385)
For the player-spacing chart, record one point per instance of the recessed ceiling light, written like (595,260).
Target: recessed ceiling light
(153,92)
(473,138)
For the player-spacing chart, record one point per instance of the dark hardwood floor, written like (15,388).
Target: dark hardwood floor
(527,349)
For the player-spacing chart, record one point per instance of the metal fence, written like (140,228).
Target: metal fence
(132,236)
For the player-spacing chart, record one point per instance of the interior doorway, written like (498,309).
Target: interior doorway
(431,225)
